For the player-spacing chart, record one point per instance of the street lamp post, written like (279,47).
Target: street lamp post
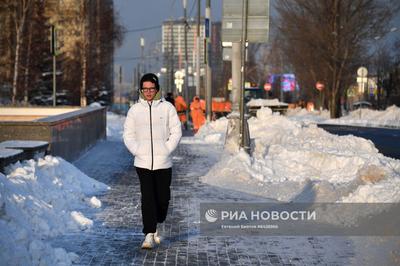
(198,48)
(186,81)
(208,63)
(244,130)
(142,68)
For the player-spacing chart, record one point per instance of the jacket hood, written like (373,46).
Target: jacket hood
(157,97)
(154,102)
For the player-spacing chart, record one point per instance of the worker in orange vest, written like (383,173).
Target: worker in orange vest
(197,109)
(181,107)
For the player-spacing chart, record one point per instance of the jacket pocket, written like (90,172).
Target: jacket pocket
(168,147)
(160,148)
(143,148)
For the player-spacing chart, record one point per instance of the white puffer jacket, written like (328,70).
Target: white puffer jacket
(151,133)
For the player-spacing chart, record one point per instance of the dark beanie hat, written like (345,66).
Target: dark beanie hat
(150,77)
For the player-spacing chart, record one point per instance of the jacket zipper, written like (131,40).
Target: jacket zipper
(151,138)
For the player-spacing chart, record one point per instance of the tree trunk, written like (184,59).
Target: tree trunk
(83,54)
(16,66)
(19,30)
(99,45)
(379,83)
(27,65)
(83,84)
(334,104)
(8,51)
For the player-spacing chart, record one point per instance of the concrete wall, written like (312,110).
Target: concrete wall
(36,111)
(70,133)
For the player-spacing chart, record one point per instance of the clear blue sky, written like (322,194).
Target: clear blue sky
(138,14)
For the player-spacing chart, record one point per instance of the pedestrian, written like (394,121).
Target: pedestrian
(152,131)
(181,108)
(197,110)
(170,98)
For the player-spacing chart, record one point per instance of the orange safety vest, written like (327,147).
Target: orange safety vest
(197,109)
(181,107)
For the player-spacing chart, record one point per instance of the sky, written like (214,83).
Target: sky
(138,14)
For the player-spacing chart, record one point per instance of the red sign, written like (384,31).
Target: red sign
(319,85)
(267,86)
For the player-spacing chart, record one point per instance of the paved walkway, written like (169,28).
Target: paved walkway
(116,236)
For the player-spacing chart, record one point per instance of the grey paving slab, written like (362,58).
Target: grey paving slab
(115,237)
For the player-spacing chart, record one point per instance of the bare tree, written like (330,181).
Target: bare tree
(325,40)
(104,35)
(19,12)
(27,63)
(382,64)
(84,47)
(88,32)
(6,51)
(255,71)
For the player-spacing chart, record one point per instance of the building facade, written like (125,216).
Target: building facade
(173,50)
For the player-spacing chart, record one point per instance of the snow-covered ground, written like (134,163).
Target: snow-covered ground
(43,198)
(361,117)
(366,117)
(307,117)
(292,161)
(212,132)
(266,102)
(296,161)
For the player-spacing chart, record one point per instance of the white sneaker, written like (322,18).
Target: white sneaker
(157,238)
(148,242)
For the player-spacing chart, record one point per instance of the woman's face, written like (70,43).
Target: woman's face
(149,90)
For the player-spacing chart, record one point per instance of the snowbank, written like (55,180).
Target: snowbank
(307,117)
(40,199)
(370,118)
(265,102)
(361,117)
(213,132)
(296,162)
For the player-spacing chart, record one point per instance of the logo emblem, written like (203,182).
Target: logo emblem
(211,215)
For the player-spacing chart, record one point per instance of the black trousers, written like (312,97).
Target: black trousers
(156,193)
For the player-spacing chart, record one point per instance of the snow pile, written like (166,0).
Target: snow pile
(307,117)
(294,162)
(213,132)
(265,102)
(380,184)
(361,117)
(115,126)
(373,118)
(95,202)
(39,199)
(95,104)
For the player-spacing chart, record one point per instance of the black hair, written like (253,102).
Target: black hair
(150,77)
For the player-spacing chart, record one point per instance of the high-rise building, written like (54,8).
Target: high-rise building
(217,64)
(173,49)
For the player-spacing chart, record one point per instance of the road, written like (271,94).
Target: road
(386,140)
